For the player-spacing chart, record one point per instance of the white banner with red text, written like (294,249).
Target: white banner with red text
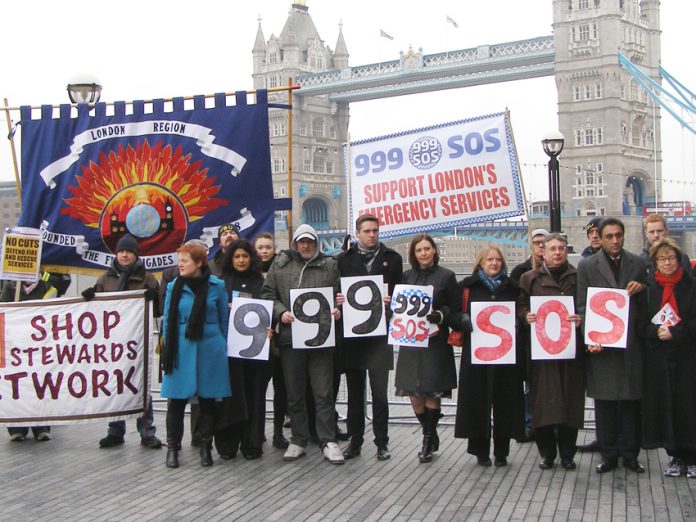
(68,360)
(436,177)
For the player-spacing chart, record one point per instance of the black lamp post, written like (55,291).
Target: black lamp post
(84,92)
(553,145)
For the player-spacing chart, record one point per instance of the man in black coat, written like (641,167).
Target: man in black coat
(371,355)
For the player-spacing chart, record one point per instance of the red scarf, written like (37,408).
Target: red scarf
(668,283)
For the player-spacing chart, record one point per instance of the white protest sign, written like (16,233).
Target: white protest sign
(493,335)
(553,335)
(437,177)
(666,316)
(363,309)
(314,325)
(247,336)
(606,317)
(66,360)
(410,304)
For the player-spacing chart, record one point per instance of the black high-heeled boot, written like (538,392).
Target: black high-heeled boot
(430,420)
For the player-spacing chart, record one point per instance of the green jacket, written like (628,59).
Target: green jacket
(290,271)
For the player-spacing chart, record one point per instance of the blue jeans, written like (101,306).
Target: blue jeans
(145,424)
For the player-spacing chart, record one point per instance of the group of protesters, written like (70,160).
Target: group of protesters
(643,394)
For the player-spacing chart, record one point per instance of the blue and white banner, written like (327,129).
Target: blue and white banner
(162,176)
(437,177)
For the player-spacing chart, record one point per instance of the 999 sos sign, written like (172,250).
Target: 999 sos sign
(444,175)
(410,305)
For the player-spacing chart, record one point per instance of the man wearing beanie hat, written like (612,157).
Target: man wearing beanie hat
(304,266)
(592,231)
(227,233)
(127,272)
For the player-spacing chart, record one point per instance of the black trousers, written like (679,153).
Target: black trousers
(175,419)
(618,428)
(379,382)
(481,447)
(280,396)
(556,439)
(256,378)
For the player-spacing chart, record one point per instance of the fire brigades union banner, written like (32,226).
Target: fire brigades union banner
(163,176)
(437,177)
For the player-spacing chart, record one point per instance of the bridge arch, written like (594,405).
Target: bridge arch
(315,212)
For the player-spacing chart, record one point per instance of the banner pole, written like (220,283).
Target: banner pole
(290,89)
(349,187)
(166,100)
(10,136)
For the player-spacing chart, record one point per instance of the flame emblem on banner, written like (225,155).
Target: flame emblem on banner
(152,193)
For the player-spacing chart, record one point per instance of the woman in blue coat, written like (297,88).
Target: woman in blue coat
(194,353)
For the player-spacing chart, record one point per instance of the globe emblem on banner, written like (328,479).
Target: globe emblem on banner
(143,221)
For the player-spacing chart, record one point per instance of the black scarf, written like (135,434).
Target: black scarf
(196,321)
(124,273)
(557,271)
(266,265)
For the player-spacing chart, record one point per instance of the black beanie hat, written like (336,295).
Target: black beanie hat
(226,227)
(129,243)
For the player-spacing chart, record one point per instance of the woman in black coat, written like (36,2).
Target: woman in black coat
(669,414)
(241,273)
(483,387)
(426,375)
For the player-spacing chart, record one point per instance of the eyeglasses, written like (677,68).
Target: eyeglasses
(538,243)
(557,249)
(668,259)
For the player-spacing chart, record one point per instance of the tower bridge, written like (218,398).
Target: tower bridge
(414,72)
(612,141)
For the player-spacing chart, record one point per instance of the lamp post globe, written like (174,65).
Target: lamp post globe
(84,90)
(553,145)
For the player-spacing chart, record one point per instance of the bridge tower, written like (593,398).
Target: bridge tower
(612,161)
(319,125)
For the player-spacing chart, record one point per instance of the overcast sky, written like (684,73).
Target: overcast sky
(159,49)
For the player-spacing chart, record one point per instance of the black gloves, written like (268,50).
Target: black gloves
(435,317)
(89,293)
(466,323)
(151,294)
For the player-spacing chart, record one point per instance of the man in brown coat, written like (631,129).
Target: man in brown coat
(127,272)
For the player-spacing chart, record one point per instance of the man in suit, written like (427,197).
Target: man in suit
(615,376)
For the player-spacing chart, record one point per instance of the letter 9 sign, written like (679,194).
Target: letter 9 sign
(493,335)
(553,335)
(247,336)
(410,305)
(363,309)
(313,326)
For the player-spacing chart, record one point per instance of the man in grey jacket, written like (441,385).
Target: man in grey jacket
(304,266)
(615,376)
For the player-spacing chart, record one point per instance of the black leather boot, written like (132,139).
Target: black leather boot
(430,420)
(206,422)
(172,454)
(436,437)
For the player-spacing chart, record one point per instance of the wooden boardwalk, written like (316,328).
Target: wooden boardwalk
(70,478)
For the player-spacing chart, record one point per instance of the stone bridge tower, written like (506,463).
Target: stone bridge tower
(319,126)
(612,161)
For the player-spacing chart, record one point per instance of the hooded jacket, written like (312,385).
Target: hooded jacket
(289,270)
